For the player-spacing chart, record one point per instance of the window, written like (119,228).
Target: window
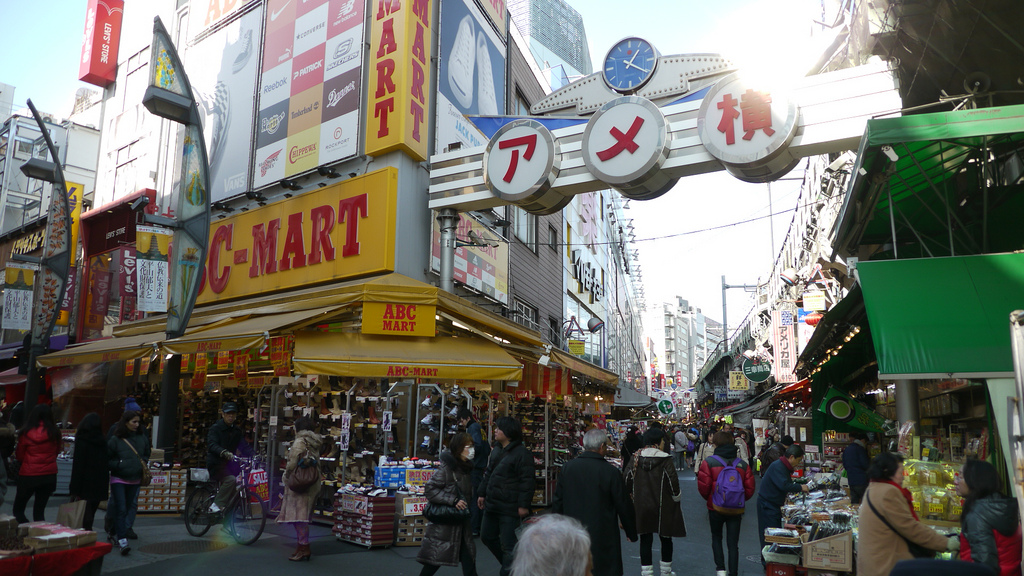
(525,227)
(525,314)
(555,331)
(522,108)
(552,238)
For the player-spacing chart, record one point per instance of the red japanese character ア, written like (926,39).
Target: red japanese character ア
(530,141)
(757,113)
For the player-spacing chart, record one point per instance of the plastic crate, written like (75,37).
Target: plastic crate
(389,477)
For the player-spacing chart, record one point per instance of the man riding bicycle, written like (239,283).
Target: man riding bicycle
(222,441)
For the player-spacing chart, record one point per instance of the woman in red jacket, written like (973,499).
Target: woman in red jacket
(39,442)
(990,525)
(726,454)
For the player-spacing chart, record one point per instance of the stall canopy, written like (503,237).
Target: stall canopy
(943,317)
(585,368)
(367,355)
(109,350)
(244,333)
(921,179)
(631,398)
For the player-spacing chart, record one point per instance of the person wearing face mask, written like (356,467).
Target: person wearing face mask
(127,452)
(591,490)
(450,544)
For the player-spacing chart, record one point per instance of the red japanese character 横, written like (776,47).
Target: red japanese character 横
(757,113)
(729,114)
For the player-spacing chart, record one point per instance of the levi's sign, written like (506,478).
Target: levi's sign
(397,93)
(343,230)
(398,319)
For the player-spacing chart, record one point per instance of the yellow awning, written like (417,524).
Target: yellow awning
(246,333)
(366,355)
(583,367)
(108,350)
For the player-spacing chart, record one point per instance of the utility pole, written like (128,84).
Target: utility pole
(725,318)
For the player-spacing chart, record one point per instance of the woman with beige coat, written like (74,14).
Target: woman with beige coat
(297,507)
(888,521)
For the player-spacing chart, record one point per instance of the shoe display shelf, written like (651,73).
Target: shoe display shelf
(363,519)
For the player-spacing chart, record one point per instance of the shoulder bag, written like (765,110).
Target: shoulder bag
(305,474)
(447,513)
(147,477)
(916,550)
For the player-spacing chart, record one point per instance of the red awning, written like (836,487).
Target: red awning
(8,377)
(795,387)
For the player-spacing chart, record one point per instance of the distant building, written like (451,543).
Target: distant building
(557,39)
(686,340)
(6,100)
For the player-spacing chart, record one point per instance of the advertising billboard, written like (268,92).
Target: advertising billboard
(102,37)
(308,98)
(222,69)
(482,268)
(470,74)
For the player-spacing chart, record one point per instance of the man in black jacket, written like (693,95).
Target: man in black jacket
(592,491)
(222,440)
(774,452)
(506,491)
(481,451)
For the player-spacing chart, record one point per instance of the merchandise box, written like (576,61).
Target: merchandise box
(813,572)
(409,541)
(777,558)
(834,553)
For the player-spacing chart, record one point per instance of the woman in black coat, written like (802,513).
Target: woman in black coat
(451,544)
(90,478)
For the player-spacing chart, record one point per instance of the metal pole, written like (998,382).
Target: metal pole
(167,433)
(907,407)
(725,318)
(448,219)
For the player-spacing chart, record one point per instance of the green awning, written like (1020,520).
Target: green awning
(943,317)
(937,172)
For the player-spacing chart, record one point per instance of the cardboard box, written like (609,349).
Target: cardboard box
(834,553)
(813,572)
(776,569)
(409,541)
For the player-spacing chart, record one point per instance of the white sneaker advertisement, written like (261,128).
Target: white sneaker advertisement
(470,74)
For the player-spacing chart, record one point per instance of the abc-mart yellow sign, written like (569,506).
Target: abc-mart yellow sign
(340,231)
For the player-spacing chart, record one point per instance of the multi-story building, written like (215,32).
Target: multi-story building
(556,37)
(6,100)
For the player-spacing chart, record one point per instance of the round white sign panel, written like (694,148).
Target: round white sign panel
(748,127)
(521,162)
(625,144)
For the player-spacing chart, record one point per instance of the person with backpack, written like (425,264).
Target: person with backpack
(692,439)
(726,482)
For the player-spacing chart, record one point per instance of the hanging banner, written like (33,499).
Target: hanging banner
(784,346)
(129,284)
(19,281)
(849,411)
(154,246)
(241,365)
(223,359)
(97,295)
(69,299)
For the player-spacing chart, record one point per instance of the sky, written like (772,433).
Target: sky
(46,38)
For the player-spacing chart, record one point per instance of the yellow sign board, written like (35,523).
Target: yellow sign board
(397,319)
(814,300)
(577,347)
(398,91)
(497,13)
(738,382)
(340,231)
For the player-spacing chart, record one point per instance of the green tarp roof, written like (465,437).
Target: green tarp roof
(936,317)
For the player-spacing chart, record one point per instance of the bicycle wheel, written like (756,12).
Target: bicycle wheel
(197,511)
(248,518)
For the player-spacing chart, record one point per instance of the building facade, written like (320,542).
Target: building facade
(556,37)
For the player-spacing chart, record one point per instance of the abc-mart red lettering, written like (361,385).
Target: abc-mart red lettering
(384,95)
(412,372)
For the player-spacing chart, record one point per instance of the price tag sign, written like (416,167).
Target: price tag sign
(354,503)
(414,506)
(418,476)
(386,421)
(343,440)
(273,420)
(346,420)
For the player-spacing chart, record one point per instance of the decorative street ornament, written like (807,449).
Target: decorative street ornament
(756,369)
(625,145)
(169,96)
(748,127)
(813,318)
(665,407)
(521,163)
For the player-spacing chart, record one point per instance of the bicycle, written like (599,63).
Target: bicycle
(244,519)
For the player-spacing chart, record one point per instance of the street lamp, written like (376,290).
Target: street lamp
(55,262)
(169,96)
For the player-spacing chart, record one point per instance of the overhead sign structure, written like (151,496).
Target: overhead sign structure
(102,38)
(694,115)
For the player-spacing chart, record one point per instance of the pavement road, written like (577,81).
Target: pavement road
(165,548)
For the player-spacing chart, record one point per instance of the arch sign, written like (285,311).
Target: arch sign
(694,114)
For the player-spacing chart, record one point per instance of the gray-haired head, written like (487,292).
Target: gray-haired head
(554,545)
(594,439)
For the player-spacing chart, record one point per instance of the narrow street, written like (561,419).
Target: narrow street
(165,548)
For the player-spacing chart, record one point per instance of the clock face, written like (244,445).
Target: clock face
(630,64)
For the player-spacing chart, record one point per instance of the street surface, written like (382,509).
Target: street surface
(270,554)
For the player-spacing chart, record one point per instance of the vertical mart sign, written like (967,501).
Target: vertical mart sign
(344,230)
(397,100)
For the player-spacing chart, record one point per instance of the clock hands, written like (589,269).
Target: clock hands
(630,63)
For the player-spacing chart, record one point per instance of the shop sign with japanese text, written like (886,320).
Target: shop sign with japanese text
(395,319)
(784,345)
(398,91)
(343,230)
(756,370)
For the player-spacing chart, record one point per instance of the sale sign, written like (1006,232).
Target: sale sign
(258,483)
